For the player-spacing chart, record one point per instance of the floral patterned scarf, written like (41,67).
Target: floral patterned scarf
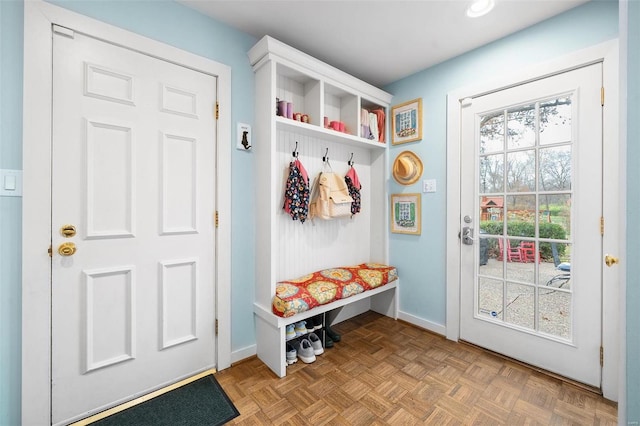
(296,193)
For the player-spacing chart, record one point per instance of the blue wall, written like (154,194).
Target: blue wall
(423,293)
(421,260)
(633,207)
(10,210)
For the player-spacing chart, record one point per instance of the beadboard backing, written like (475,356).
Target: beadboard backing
(318,244)
(287,249)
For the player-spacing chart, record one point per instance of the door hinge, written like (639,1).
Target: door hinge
(216,326)
(216,219)
(50,251)
(602,96)
(601,225)
(217,110)
(601,356)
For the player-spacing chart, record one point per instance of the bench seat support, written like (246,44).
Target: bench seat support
(270,328)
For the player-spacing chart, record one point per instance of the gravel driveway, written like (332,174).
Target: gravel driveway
(519,308)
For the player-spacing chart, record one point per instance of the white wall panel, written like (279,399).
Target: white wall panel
(292,91)
(305,248)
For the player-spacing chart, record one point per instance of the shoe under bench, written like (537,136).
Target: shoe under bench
(271,329)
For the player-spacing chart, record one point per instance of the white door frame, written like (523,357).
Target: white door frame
(36,202)
(613,238)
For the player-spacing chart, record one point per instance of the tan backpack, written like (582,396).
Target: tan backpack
(330,197)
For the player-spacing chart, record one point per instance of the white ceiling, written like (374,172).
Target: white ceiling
(379,41)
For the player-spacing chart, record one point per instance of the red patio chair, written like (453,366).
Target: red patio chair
(513,253)
(528,251)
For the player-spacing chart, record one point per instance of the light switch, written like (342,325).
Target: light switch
(10,183)
(429,185)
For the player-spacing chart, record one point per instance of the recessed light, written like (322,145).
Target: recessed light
(479,7)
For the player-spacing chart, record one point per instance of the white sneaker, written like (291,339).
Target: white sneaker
(316,344)
(305,351)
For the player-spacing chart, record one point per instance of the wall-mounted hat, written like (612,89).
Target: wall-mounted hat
(407,168)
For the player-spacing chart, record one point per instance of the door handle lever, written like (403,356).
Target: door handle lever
(467,236)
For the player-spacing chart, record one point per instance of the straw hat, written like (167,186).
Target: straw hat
(407,168)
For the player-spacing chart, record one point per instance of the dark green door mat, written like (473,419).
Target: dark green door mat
(199,403)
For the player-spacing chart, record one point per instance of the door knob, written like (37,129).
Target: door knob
(467,236)
(67,249)
(610,260)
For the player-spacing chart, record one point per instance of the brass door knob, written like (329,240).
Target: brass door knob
(610,260)
(67,249)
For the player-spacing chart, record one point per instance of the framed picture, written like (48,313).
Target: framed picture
(405,213)
(406,123)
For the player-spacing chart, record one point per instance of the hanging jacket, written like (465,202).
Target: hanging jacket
(353,184)
(296,193)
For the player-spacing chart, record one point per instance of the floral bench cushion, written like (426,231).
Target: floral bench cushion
(328,285)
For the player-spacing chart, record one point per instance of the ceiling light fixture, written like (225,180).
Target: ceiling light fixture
(479,7)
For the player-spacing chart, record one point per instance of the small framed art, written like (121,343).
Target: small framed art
(406,122)
(405,214)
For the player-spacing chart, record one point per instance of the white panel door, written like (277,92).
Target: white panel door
(531,277)
(133,308)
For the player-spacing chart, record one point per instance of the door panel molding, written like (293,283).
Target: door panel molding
(607,53)
(36,265)
(120,282)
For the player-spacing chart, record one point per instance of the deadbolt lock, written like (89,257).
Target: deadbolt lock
(68,231)
(67,249)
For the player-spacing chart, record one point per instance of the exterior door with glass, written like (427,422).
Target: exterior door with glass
(531,203)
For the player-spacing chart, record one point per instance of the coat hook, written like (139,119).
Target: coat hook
(350,162)
(326,156)
(295,151)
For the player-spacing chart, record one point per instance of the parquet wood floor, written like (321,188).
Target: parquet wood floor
(386,372)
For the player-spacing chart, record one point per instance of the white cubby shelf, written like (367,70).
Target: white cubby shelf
(286,249)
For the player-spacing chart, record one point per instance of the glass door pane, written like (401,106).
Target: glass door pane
(524,198)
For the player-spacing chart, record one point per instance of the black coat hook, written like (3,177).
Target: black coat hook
(325,159)
(295,151)
(350,162)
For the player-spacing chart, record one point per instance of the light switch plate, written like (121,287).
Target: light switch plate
(429,185)
(10,183)
(243,137)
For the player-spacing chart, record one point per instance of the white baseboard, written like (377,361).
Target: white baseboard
(419,322)
(243,353)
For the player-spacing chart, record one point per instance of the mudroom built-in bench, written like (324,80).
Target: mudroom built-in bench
(352,289)
(333,133)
